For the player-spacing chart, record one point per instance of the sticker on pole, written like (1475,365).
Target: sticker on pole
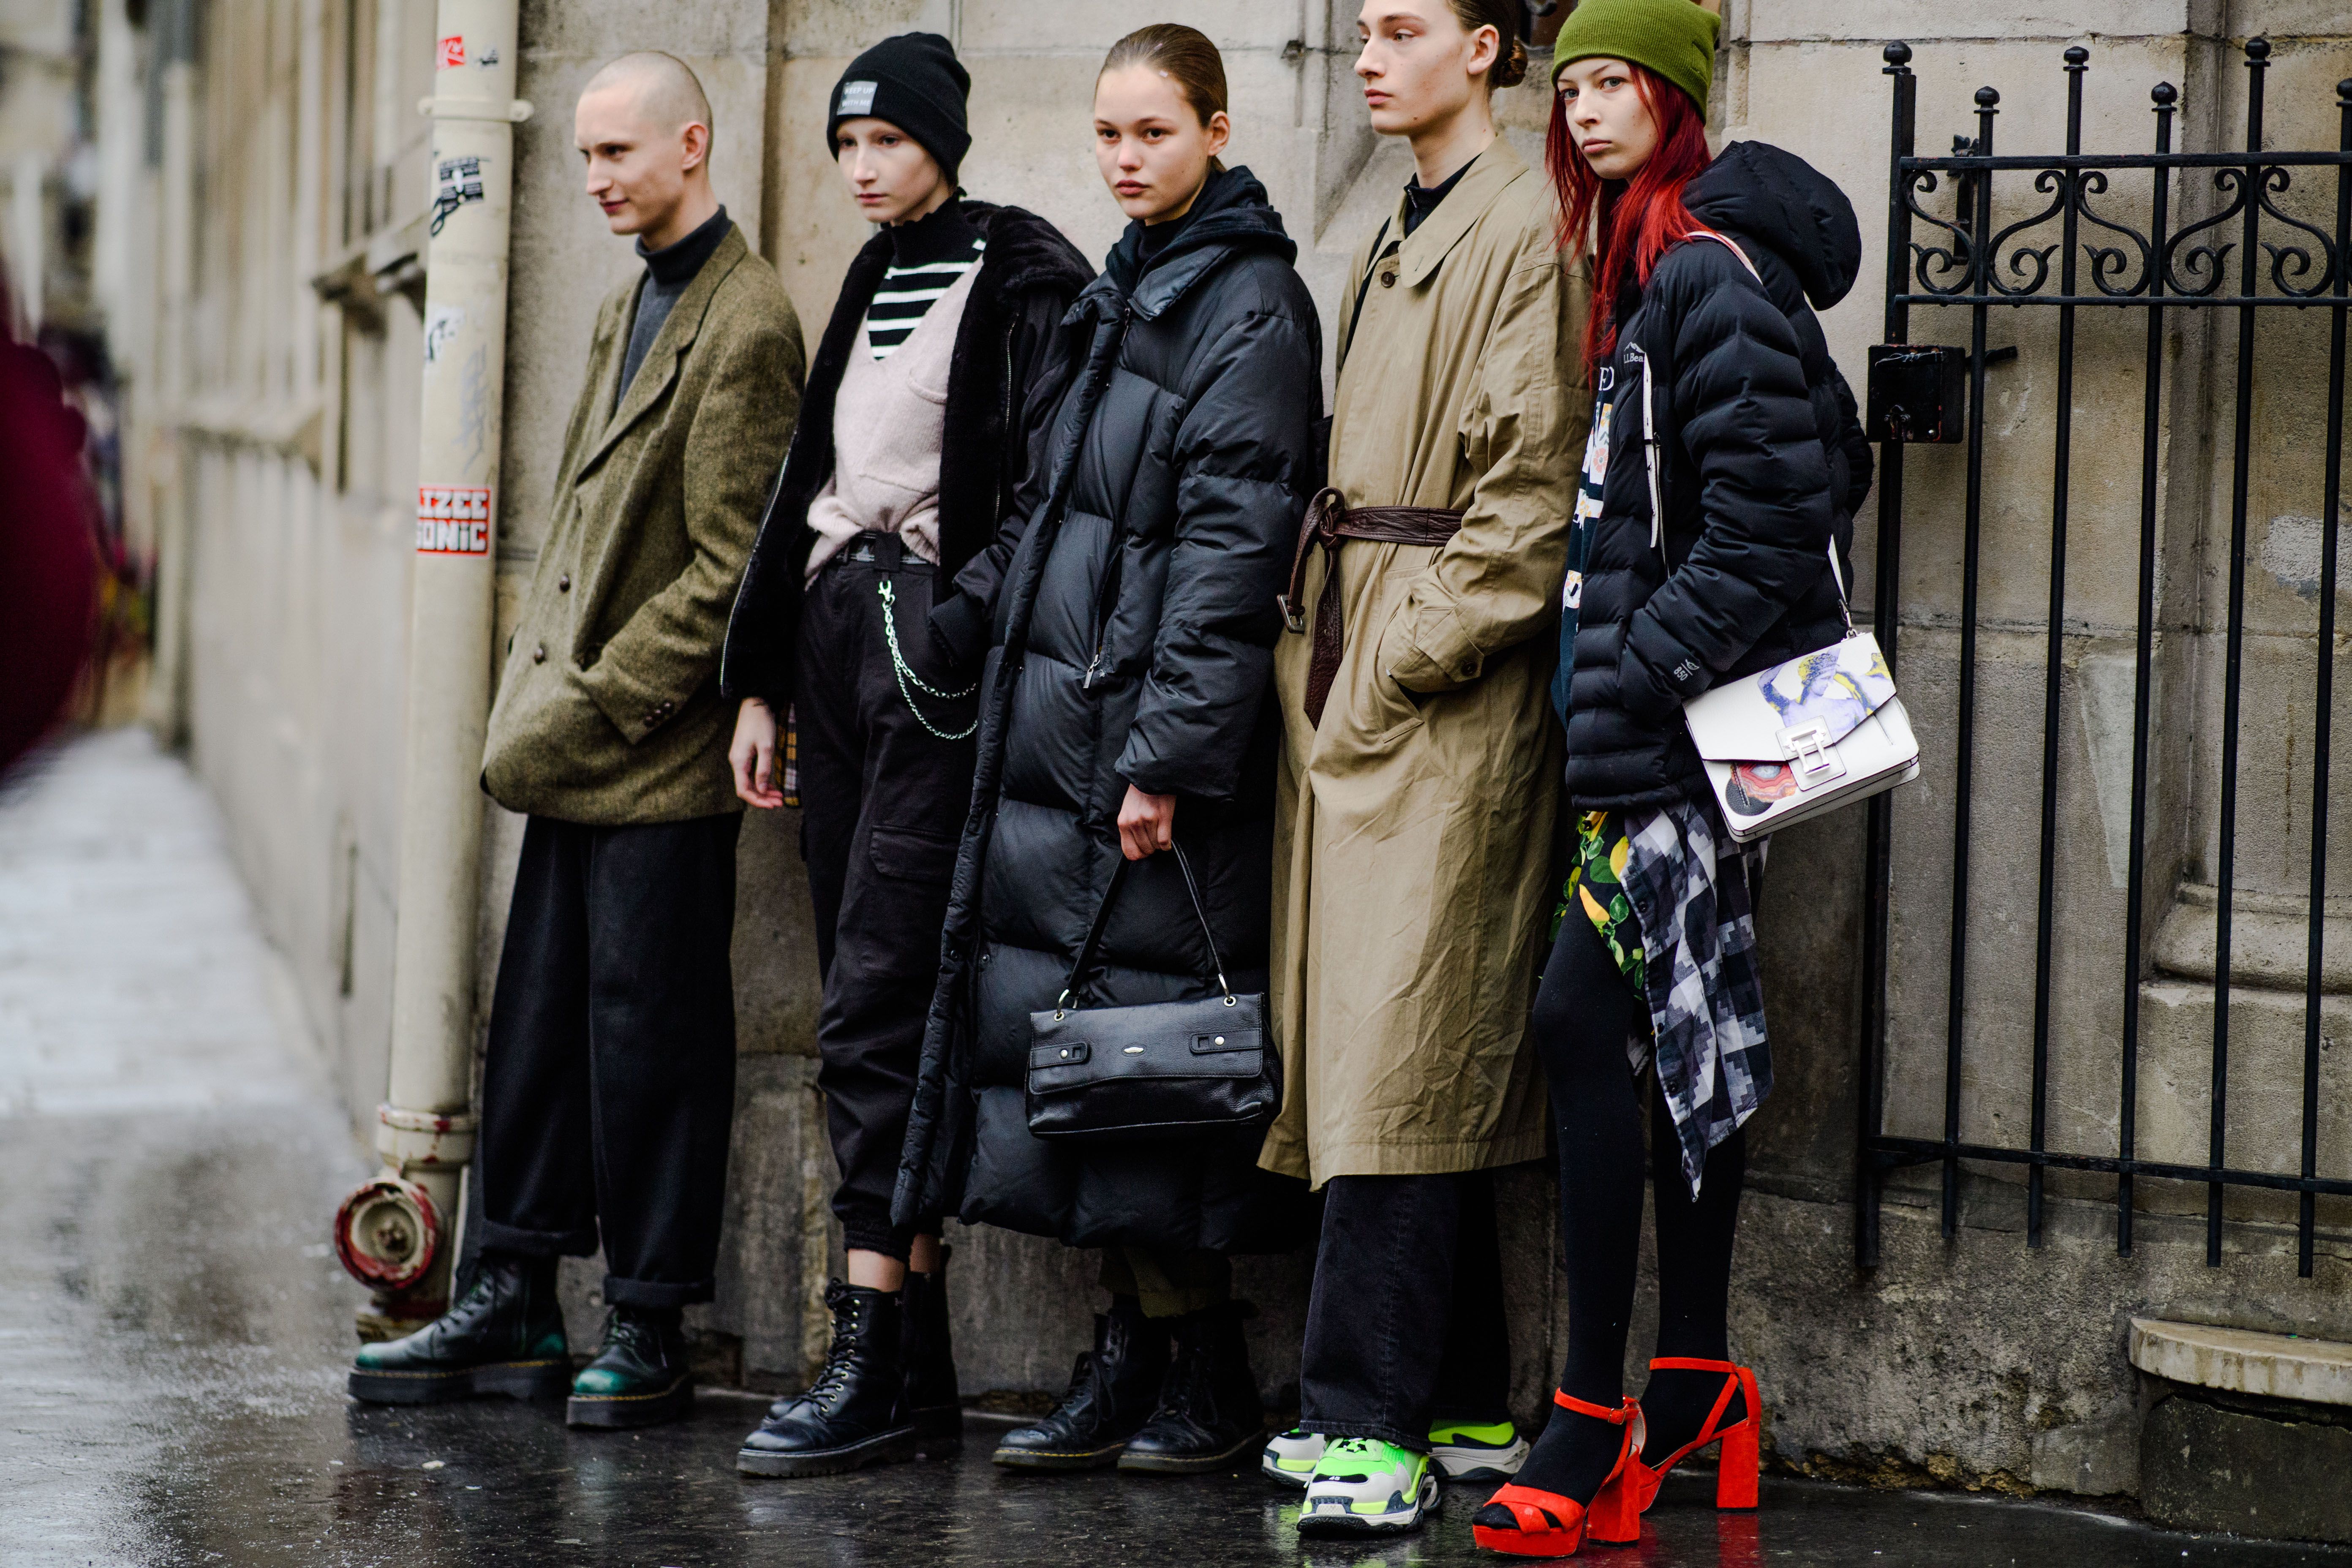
(453,520)
(455,182)
(452,52)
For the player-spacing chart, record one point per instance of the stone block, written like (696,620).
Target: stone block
(2264,1105)
(1917,19)
(772,1254)
(2237,1360)
(776,989)
(2206,1465)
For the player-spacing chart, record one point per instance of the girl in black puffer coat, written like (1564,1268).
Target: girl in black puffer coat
(1127,703)
(1720,481)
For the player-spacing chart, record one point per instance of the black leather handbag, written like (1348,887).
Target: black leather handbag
(1158,1070)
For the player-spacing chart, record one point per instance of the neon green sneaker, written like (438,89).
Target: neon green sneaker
(1461,1451)
(1289,1456)
(1467,1452)
(1362,1486)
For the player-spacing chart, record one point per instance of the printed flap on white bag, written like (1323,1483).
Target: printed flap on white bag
(1808,702)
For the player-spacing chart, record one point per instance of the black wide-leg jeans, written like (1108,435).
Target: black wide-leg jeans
(1405,1327)
(884,793)
(609,1089)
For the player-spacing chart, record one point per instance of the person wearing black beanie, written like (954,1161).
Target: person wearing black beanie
(858,632)
(915,82)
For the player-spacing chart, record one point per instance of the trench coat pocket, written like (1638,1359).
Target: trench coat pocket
(1382,708)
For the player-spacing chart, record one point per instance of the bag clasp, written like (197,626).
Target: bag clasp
(1810,755)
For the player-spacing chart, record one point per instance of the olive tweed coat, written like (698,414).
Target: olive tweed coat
(608,710)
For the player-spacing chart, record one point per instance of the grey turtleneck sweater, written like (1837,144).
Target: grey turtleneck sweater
(667,272)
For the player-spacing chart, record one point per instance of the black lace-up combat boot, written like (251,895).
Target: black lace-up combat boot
(1208,1415)
(640,1377)
(504,1335)
(928,1353)
(855,1413)
(1113,1390)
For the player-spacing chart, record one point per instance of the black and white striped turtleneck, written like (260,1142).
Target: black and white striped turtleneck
(927,258)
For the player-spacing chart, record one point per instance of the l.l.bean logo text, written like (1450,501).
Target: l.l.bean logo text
(453,520)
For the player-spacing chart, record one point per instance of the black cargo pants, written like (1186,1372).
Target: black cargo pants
(609,1088)
(884,783)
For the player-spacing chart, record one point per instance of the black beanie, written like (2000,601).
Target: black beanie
(915,82)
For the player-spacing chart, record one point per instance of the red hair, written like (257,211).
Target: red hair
(1626,225)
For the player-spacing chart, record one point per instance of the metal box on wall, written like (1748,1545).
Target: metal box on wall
(1918,392)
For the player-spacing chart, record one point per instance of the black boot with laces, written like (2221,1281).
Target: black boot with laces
(856,1413)
(503,1335)
(640,1376)
(1113,1390)
(1209,1415)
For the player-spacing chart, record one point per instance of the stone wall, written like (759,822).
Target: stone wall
(1972,1361)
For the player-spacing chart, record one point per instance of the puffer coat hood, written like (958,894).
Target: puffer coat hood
(1762,464)
(1133,647)
(1785,206)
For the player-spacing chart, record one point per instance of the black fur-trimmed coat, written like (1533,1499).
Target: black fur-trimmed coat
(1028,274)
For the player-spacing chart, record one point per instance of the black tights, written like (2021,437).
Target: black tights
(1584,1013)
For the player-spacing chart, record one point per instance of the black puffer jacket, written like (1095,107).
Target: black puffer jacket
(1135,648)
(1762,463)
(1028,276)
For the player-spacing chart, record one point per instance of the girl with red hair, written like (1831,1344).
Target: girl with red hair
(1720,479)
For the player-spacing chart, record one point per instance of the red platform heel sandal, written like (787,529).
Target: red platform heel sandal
(1735,1467)
(1554,1526)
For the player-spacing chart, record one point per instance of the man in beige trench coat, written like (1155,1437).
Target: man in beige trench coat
(1420,783)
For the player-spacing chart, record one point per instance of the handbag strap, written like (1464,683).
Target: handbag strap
(1093,943)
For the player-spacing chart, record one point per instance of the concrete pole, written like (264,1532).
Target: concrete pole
(397,1233)
(167,463)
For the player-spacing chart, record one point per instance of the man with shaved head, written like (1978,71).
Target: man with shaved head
(609,1086)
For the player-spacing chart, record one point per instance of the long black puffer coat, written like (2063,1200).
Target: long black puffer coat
(1134,646)
(1762,463)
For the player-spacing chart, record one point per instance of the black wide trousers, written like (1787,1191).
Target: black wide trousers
(1405,1326)
(883,793)
(609,1089)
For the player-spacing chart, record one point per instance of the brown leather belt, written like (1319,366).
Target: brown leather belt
(1329,520)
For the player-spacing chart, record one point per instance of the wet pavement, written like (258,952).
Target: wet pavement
(174,1333)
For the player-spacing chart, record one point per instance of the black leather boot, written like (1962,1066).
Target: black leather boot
(640,1378)
(504,1335)
(1209,1415)
(927,1353)
(1113,1390)
(855,1413)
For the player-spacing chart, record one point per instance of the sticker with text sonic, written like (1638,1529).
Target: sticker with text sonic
(453,520)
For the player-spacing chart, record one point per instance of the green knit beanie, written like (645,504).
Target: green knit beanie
(1674,38)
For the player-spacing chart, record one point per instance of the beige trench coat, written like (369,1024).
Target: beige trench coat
(1413,883)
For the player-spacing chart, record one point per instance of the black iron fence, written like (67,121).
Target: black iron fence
(2249,256)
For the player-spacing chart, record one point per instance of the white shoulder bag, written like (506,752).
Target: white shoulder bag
(1819,731)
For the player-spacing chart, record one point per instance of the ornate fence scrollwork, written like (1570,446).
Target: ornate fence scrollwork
(2195,257)
(1946,250)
